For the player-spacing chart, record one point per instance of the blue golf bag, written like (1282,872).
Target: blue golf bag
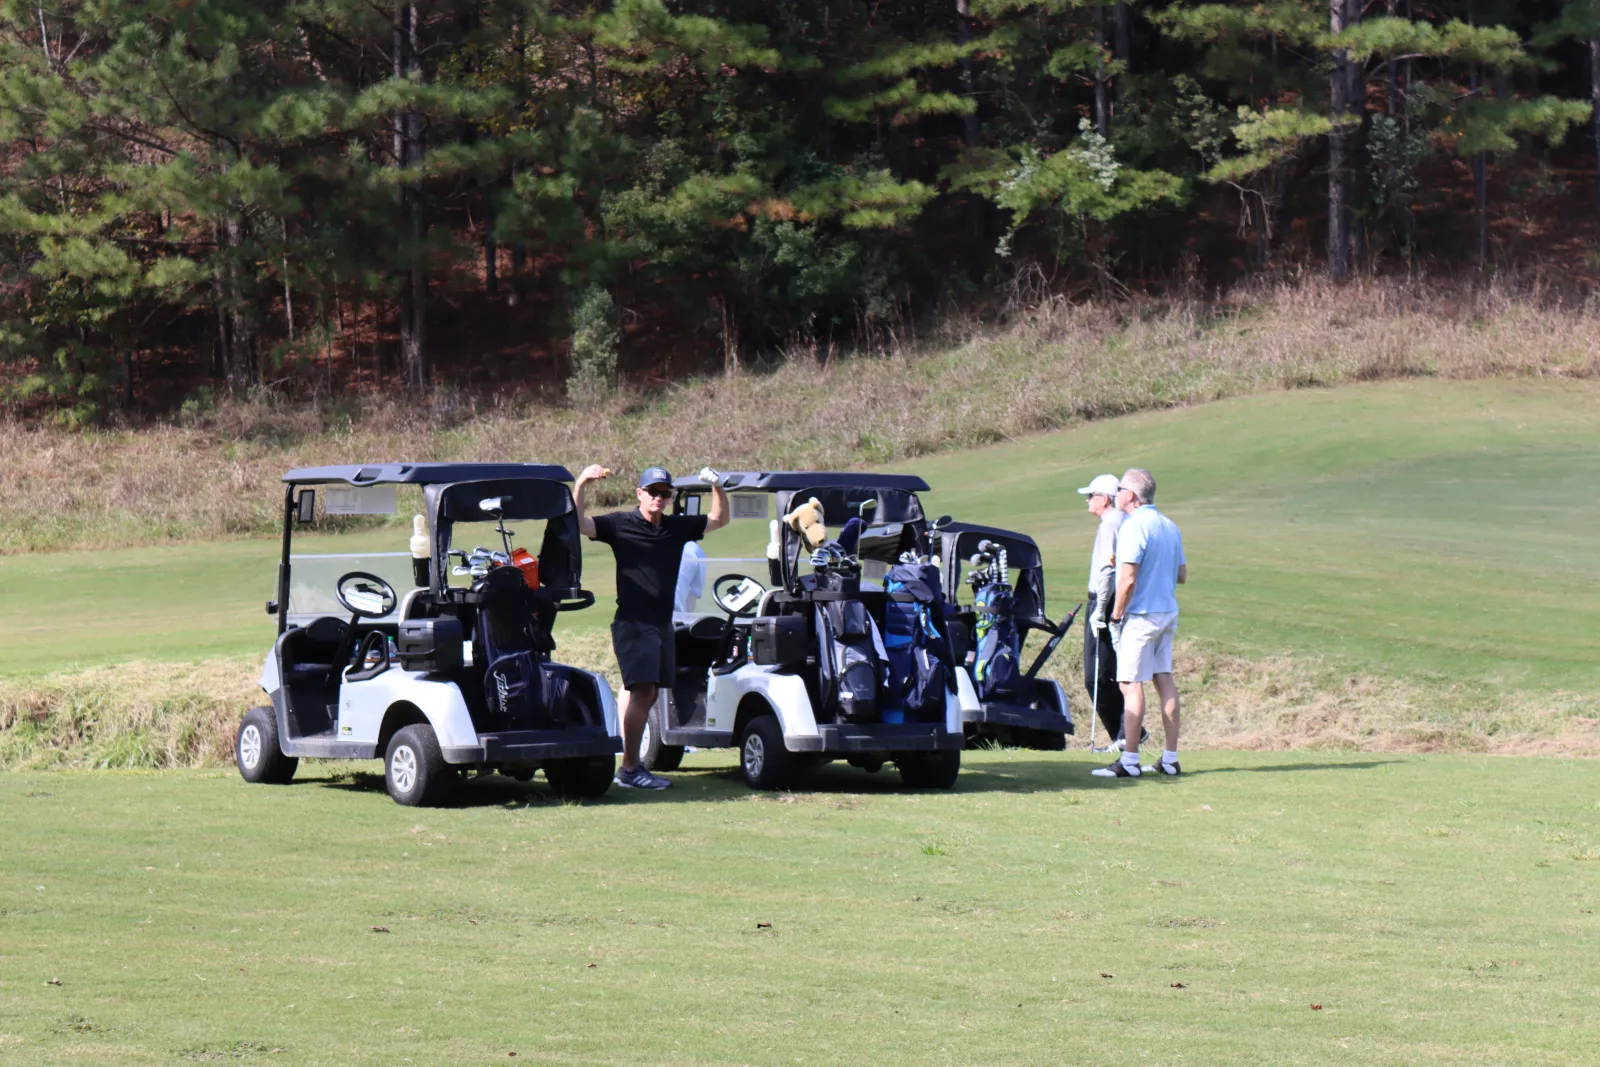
(918,673)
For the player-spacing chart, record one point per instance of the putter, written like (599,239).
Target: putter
(1095,711)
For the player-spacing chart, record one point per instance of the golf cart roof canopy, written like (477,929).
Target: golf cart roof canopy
(788,481)
(424,473)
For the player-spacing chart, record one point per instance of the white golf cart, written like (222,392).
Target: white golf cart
(456,673)
(796,671)
(1016,707)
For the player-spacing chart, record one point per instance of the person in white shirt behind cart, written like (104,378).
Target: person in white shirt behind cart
(691,578)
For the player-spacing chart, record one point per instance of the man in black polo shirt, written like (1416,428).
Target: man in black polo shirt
(648,545)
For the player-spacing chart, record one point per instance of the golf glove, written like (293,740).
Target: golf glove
(710,477)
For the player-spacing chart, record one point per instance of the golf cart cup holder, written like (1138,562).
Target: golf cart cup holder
(778,640)
(430,645)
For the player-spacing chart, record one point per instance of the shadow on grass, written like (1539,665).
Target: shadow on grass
(711,785)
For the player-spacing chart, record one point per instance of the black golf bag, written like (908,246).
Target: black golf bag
(512,642)
(918,651)
(847,657)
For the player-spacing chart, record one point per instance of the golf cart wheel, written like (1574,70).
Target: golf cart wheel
(256,751)
(765,761)
(655,755)
(581,779)
(930,770)
(414,768)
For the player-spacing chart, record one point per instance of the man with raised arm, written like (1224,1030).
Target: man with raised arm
(648,546)
(1144,619)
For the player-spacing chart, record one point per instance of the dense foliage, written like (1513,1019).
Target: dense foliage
(256,180)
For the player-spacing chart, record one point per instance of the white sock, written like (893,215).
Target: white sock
(1130,758)
(1168,756)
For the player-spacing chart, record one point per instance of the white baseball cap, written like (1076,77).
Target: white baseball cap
(1104,484)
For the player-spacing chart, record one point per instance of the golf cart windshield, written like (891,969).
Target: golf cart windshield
(473,516)
(307,578)
(894,523)
(959,541)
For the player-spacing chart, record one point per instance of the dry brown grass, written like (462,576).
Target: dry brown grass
(216,476)
(158,715)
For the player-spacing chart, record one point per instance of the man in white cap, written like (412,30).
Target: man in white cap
(1099,654)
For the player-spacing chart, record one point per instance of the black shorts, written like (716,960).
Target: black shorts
(646,652)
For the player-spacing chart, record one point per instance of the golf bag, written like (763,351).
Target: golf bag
(997,668)
(512,639)
(847,647)
(918,673)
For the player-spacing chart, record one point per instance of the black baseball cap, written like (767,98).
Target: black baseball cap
(654,476)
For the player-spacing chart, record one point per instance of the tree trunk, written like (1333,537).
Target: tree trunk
(1102,83)
(408,153)
(969,123)
(236,361)
(491,251)
(1480,191)
(288,294)
(1594,96)
(730,339)
(1122,45)
(1342,86)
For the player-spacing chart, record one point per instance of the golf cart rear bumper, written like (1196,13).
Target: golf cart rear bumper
(1020,715)
(531,746)
(877,737)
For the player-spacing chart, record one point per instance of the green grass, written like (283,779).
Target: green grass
(1439,531)
(1440,910)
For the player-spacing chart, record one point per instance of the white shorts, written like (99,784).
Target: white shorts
(1144,645)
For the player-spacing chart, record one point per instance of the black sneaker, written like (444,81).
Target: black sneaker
(639,778)
(1116,769)
(1171,769)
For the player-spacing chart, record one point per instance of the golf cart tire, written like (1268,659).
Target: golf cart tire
(764,760)
(584,778)
(930,770)
(256,751)
(414,769)
(653,753)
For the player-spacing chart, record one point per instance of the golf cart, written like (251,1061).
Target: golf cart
(453,674)
(841,654)
(1016,707)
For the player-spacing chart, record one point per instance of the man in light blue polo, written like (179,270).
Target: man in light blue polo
(1150,567)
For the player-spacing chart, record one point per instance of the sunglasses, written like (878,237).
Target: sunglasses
(659,492)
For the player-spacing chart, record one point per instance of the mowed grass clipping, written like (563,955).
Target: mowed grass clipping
(1265,909)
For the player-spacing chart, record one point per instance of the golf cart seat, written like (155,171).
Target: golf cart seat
(318,649)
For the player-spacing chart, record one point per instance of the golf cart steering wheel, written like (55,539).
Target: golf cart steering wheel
(737,594)
(366,596)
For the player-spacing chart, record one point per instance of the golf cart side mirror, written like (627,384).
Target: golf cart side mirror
(305,506)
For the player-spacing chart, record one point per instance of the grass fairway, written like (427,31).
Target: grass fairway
(1439,910)
(1418,529)
(1421,529)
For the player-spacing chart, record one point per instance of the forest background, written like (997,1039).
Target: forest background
(313,199)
